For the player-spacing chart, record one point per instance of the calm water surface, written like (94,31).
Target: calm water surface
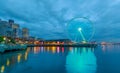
(103,59)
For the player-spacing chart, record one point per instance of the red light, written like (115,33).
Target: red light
(62,49)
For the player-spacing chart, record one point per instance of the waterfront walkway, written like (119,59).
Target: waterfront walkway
(64,45)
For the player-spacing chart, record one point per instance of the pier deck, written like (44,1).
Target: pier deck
(64,45)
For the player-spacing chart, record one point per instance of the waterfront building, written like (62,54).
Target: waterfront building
(5,29)
(9,29)
(11,22)
(19,33)
(58,41)
(39,41)
(25,33)
(15,29)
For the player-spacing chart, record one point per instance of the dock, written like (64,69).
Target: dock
(5,47)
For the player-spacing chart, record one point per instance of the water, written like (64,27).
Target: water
(103,59)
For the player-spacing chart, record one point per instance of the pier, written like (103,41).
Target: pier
(63,45)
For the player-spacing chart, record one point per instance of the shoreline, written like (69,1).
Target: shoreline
(64,45)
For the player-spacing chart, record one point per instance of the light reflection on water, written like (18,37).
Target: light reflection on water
(9,59)
(81,60)
(53,49)
(61,60)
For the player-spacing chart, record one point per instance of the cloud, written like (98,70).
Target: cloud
(47,19)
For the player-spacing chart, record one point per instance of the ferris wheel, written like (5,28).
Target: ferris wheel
(80,30)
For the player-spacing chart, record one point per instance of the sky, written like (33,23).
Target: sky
(47,19)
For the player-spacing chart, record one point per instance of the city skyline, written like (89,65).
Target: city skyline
(12,29)
(49,19)
(59,36)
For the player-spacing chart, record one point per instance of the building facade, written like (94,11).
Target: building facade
(15,29)
(25,33)
(5,29)
(12,30)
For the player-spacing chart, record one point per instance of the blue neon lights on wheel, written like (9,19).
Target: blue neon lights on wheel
(80,30)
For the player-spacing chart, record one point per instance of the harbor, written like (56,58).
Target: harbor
(16,47)
(59,36)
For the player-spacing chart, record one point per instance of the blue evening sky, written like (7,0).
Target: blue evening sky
(47,18)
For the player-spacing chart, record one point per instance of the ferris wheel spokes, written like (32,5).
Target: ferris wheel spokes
(82,30)
(81,33)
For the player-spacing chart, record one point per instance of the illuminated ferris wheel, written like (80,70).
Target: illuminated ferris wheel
(80,30)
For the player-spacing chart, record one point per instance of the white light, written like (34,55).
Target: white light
(4,38)
(79,29)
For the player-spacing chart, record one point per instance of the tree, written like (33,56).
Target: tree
(1,39)
(12,41)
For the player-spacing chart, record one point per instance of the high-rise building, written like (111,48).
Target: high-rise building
(19,33)
(5,29)
(15,29)
(11,22)
(11,29)
(25,32)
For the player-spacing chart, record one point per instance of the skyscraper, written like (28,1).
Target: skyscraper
(15,29)
(25,32)
(5,29)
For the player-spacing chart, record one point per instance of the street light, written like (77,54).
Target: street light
(4,38)
(9,40)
